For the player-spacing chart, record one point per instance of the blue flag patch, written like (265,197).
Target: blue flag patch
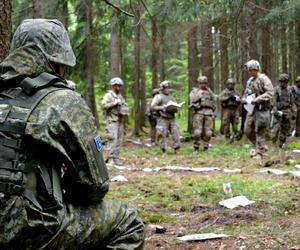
(98,143)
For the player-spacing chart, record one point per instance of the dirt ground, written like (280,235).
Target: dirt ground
(273,222)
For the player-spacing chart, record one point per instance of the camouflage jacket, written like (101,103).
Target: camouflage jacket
(202,101)
(230,98)
(114,106)
(263,90)
(159,101)
(296,94)
(284,101)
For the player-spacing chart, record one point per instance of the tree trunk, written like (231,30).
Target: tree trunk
(63,7)
(193,66)
(90,60)
(252,29)
(224,52)
(139,85)
(5,28)
(207,51)
(266,46)
(38,8)
(297,36)
(155,51)
(142,70)
(283,52)
(115,57)
(162,52)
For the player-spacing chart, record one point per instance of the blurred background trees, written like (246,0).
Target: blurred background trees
(147,41)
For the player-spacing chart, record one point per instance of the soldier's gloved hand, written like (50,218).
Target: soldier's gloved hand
(253,102)
(243,101)
(164,108)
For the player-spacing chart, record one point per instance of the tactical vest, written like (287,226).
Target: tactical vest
(207,100)
(231,101)
(257,87)
(283,99)
(16,105)
(164,100)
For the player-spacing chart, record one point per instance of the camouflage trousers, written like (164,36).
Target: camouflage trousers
(163,126)
(202,129)
(152,123)
(115,134)
(230,117)
(109,225)
(281,130)
(256,125)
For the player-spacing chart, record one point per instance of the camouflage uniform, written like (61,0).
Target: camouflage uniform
(257,122)
(296,94)
(152,116)
(230,102)
(116,110)
(283,102)
(166,122)
(203,105)
(53,194)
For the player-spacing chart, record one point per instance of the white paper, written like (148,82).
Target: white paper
(206,236)
(297,166)
(293,133)
(119,178)
(274,171)
(236,170)
(235,202)
(248,106)
(205,169)
(147,170)
(295,173)
(177,105)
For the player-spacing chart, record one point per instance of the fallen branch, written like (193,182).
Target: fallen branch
(118,8)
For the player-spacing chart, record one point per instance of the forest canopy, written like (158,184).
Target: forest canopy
(145,42)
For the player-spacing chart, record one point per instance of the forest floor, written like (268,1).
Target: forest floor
(186,202)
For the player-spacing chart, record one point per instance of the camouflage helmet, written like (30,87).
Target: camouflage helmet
(155,92)
(50,36)
(116,81)
(202,79)
(165,84)
(298,79)
(252,64)
(230,81)
(284,77)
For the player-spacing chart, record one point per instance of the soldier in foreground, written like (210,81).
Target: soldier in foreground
(52,174)
(296,94)
(152,116)
(230,101)
(203,107)
(166,121)
(260,87)
(284,111)
(116,111)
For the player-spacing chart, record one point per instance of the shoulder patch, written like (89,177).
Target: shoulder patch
(98,143)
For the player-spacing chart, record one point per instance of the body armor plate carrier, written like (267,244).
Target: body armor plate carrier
(16,105)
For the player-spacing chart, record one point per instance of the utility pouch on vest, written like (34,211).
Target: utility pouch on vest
(16,105)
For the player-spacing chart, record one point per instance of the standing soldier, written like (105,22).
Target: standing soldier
(296,94)
(166,121)
(116,110)
(283,112)
(230,101)
(203,105)
(152,116)
(260,87)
